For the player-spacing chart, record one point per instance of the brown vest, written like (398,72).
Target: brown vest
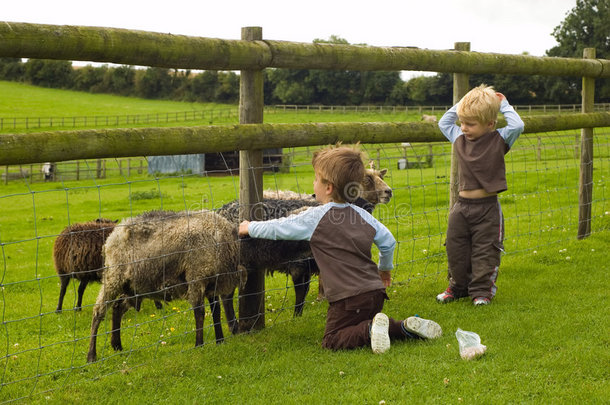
(481,163)
(341,245)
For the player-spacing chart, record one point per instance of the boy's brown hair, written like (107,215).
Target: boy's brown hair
(480,104)
(343,167)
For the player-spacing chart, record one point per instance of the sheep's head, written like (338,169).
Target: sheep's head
(375,190)
(243,276)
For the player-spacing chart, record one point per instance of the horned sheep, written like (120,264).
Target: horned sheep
(295,257)
(166,255)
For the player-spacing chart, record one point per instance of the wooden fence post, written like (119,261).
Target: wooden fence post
(252,297)
(460,88)
(585,194)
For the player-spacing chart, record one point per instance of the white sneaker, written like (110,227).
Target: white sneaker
(380,336)
(423,328)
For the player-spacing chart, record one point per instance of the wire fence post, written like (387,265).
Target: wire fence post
(585,186)
(460,88)
(251,103)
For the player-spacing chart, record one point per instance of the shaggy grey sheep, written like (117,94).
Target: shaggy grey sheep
(77,253)
(295,257)
(166,255)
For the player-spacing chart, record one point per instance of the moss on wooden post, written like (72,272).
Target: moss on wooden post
(57,146)
(131,47)
(585,194)
(460,88)
(251,103)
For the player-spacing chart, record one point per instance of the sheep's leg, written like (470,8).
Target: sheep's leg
(158,304)
(227,303)
(81,291)
(215,309)
(199,312)
(301,288)
(65,280)
(118,310)
(99,311)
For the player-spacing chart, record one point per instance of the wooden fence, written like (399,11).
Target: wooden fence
(93,121)
(74,170)
(251,54)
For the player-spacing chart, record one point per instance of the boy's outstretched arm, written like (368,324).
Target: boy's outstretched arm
(243,228)
(386,277)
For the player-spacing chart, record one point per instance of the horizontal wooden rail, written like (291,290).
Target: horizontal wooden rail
(59,146)
(132,47)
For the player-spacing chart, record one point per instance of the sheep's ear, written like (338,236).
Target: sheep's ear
(382,172)
(371,164)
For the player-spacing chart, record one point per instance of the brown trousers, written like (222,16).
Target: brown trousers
(475,236)
(348,321)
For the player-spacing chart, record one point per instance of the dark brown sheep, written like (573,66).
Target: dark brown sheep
(77,253)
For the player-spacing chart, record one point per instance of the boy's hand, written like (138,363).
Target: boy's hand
(501,96)
(243,228)
(386,277)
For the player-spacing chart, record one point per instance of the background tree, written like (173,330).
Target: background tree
(430,90)
(154,82)
(89,78)
(181,85)
(586,26)
(119,80)
(49,73)
(228,87)
(291,86)
(205,85)
(377,86)
(11,69)
(518,89)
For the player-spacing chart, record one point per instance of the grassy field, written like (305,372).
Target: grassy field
(547,330)
(25,108)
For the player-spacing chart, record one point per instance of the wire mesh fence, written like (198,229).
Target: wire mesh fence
(45,350)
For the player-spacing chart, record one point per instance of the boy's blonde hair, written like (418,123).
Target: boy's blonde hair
(343,166)
(480,104)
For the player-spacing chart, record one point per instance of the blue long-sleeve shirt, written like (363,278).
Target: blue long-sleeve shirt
(341,238)
(481,161)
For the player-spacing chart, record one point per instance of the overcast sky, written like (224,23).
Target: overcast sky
(501,26)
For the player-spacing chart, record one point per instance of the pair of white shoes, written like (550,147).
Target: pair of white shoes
(380,336)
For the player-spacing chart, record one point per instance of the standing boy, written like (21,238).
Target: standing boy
(341,236)
(475,232)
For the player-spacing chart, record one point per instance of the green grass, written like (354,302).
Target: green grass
(52,109)
(546,331)
(22,100)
